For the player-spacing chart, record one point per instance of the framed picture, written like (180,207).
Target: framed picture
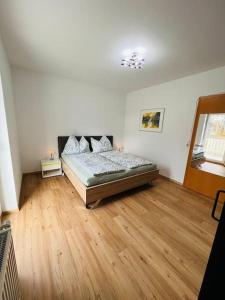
(151,119)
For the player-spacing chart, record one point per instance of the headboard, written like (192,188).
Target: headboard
(63,139)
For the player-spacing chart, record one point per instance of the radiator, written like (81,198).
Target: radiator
(9,282)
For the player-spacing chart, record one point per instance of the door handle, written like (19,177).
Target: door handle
(215,204)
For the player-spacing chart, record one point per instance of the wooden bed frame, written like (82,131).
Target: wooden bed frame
(93,195)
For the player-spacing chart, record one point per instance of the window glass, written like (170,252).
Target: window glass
(214,137)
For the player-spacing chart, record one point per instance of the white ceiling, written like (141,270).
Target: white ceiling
(85,39)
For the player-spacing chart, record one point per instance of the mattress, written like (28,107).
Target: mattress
(89,180)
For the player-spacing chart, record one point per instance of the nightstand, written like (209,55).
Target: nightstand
(51,167)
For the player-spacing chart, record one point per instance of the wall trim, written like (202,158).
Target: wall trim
(171,180)
(8,212)
(32,173)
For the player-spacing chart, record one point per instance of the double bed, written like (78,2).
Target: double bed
(114,172)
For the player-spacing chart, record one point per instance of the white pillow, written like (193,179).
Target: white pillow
(84,145)
(72,146)
(102,145)
(106,143)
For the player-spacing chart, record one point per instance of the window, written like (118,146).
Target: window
(213,139)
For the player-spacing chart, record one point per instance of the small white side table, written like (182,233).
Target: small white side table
(51,167)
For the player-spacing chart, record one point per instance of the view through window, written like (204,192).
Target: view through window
(214,137)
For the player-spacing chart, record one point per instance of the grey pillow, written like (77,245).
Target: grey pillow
(84,145)
(72,146)
(102,145)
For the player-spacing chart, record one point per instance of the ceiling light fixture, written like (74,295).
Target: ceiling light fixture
(134,60)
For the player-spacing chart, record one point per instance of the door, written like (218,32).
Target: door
(205,174)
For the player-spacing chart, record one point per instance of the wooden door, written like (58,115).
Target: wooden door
(196,179)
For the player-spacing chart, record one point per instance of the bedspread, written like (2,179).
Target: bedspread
(126,160)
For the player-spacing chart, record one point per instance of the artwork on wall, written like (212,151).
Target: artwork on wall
(151,119)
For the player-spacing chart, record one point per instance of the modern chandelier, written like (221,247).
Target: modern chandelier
(133,61)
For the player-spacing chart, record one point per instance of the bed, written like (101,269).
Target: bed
(92,189)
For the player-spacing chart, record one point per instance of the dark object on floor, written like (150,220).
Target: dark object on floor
(213,286)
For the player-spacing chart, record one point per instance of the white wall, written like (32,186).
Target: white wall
(49,106)
(168,149)
(10,170)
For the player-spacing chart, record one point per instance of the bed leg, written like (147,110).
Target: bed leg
(93,205)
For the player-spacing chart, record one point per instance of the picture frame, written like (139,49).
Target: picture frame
(151,119)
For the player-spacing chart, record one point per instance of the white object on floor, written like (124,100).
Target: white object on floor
(51,167)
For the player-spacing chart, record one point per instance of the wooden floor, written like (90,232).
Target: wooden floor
(151,244)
